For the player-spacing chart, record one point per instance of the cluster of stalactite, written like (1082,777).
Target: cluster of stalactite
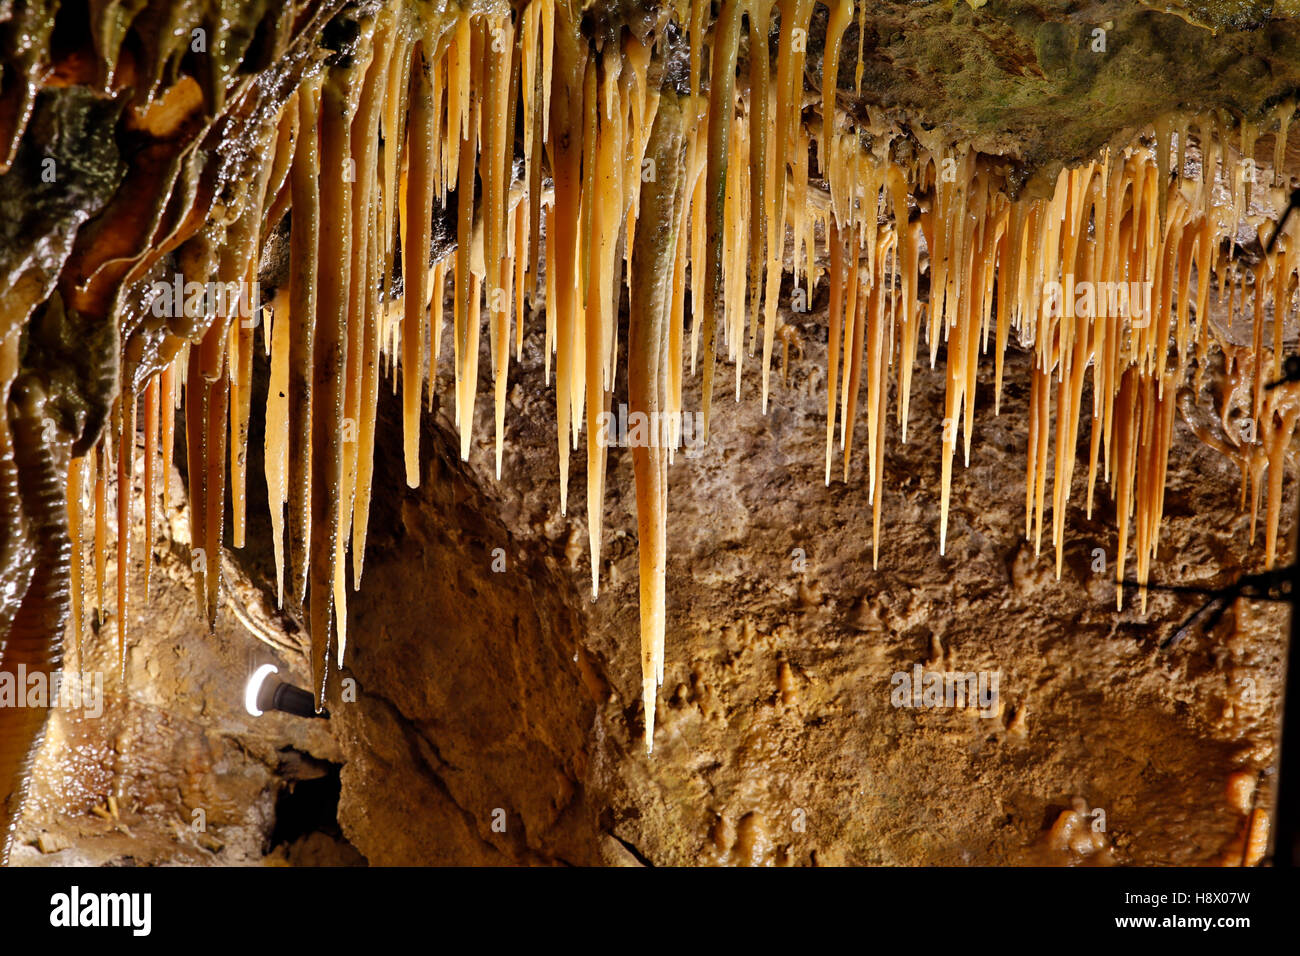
(693,188)
(124,129)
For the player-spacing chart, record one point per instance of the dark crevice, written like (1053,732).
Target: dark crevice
(631,848)
(307,810)
(308,806)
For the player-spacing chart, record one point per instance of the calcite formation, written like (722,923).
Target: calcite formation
(945,186)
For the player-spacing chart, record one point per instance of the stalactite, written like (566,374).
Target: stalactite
(303,278)
(416,212)
(101,526)
(77,561)
(363,305)
(276,450)
(125,481)
(495,211)
(760,81)
(648,383)
(565,160)
(436,109)
(150,492)
(338,105)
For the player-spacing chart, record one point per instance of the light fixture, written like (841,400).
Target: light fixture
(261,695)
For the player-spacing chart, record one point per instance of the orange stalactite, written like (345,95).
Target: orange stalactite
(661,192)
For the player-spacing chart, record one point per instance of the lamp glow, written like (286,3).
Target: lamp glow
(262,693)
(254,687)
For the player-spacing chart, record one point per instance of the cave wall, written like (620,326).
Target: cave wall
(482,690)
(508,697)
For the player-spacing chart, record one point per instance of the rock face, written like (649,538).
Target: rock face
(166,766)
(473,708)
(490,710)
(494,716)
(511,693)
(1048,83)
